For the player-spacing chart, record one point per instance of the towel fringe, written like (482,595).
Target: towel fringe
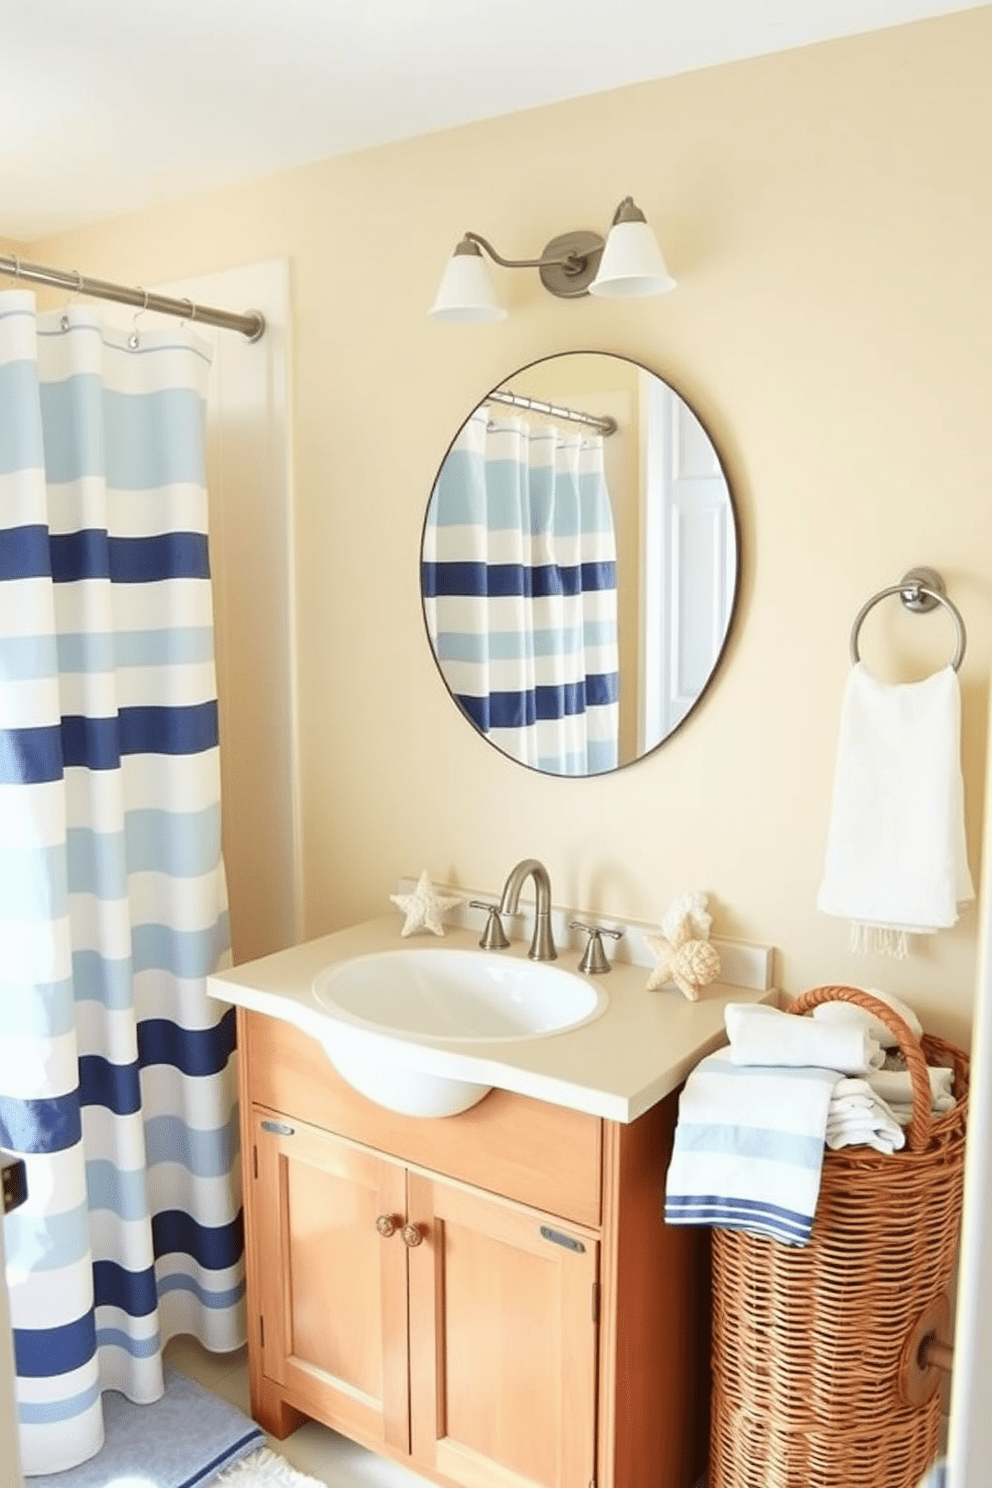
(882,940)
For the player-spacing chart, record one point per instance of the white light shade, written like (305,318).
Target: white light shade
(632,266)
(466,291)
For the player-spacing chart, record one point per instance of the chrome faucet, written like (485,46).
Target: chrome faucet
(542,946)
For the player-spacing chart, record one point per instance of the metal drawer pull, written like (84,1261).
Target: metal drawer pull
(411,1235)
(557,1238)
(386,1225)
(278,1128)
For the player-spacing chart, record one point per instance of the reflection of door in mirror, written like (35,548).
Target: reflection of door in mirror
(676,546)
(688,568)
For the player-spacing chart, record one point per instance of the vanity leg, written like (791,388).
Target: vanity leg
(272,1413)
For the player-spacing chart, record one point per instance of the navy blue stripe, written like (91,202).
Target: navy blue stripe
(522,709)
(34,755)
(49,1125)
(43,1352)
(32,551)
(102,1083)
(134,1292)
(190,730)
(24,553)
(501,580)
(91,554)
(200,1051)
(216,1247)
(30,756)
(229,1454)
(755,1206)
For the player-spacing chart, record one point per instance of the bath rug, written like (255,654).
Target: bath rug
(264,1469)
(180,1441)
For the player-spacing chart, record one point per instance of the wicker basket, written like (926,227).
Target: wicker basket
(817,1375)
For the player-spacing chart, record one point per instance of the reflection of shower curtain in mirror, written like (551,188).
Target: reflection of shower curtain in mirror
(519,582)
(116,1078)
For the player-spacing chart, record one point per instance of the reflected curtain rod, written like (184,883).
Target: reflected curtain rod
(251,323)
(604,424)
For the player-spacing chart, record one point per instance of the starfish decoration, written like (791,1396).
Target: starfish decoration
(424,907)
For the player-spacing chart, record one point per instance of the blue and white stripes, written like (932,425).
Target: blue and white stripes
(748,1150)
(520,596)
(116,1073)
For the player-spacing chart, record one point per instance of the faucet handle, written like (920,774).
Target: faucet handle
(594,962)
(494,936)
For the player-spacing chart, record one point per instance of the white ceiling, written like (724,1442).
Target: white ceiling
(107,106)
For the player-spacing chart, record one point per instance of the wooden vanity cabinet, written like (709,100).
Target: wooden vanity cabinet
(491,1299)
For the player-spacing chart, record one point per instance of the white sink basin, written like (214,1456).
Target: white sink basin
(387,1004)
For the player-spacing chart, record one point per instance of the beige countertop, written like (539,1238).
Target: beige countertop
(617,1066)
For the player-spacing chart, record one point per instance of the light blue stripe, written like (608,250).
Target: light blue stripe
(123,1193)
(44,1010)
(215,1300)
(514,645)
(794,1148)
(138,1348)
(38,1242)
(98,979)
(185,953)
(21,443)
(179,844)
(47,1412)
(104,651)
(33,883)
(205,1154)
(27,658)
(601,756)
(96,863)
(183,844)
(139,441)
(599,633)
(30,658)
(573,763)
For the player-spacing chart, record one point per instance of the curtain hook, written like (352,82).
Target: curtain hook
(64,322)
(134,340)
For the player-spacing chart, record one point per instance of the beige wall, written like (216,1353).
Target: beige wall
(828,216)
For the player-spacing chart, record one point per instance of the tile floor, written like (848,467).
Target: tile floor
(313,1449)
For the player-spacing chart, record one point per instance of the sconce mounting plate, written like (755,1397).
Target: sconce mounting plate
(569,281)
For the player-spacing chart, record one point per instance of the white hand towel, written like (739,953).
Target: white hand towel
(748,1149)
(896,1088)
(858,1117)
(896,861)
(764,1035)
(837,1012)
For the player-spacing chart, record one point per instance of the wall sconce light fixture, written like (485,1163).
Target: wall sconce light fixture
(627,265)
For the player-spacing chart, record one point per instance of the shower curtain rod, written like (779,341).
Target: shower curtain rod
(604,424)
(251,323)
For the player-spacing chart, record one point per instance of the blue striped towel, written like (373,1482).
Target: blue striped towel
(748,1148)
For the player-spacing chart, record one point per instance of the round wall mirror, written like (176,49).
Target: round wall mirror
(579,564)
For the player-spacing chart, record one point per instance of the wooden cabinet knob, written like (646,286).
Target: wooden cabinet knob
(386,1225)
(411,1235)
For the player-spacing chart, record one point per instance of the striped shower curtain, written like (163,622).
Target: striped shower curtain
(116,1076)
(520,596)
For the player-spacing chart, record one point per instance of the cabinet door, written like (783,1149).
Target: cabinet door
(333,1287)
(503,1305)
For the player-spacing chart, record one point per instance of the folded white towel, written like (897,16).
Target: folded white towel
(837,1012)
(897,1085)
(858,1117)
(764,1035)
(748,1149)
(896,860)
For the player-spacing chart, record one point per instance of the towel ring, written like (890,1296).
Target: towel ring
(921,590)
